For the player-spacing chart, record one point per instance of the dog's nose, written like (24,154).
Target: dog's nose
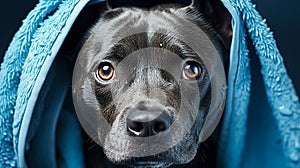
(147,123)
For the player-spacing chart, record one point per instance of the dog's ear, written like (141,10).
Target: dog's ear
(217,15)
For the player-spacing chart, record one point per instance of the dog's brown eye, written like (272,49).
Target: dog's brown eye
(106,71)
(191,70)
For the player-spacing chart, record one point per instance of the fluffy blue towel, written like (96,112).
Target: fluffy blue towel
(36,44)
(281,94)
(24,69)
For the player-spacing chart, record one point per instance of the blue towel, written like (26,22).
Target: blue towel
(30,58)
(280,91)
(24,69)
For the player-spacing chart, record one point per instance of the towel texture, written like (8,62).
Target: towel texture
(280,91)
(11,70)
(32,51)
(23,61)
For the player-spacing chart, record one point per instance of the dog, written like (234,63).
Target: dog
(149,84)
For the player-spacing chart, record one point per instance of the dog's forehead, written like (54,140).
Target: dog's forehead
(132,29)
(153,27)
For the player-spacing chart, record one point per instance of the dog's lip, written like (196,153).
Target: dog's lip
(149,161)
(148,164)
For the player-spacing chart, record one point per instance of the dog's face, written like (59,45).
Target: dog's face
(147,82)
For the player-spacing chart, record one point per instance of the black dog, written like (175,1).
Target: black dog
(147,78)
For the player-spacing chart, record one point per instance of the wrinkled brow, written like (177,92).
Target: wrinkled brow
(135,42)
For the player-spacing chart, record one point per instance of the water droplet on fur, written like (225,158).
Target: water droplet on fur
(277,78)
(281,107)
(12,164)
(284,110)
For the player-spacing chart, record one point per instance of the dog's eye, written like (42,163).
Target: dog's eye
(105,71)
(191,70)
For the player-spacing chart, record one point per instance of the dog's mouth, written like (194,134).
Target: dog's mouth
(147,162)
(149,134)
(150,164)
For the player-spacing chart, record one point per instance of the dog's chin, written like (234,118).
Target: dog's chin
(182,153)
(149,162)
